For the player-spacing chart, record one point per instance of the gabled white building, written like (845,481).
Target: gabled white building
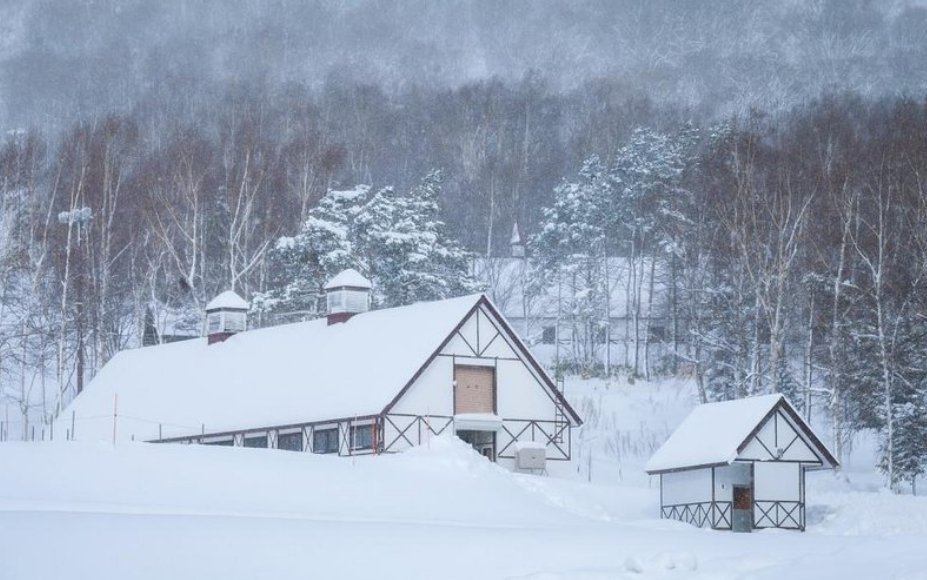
(356,382)
(739,465)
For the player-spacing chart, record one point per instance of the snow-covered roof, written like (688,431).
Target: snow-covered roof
(349,278)
(713,433)
(302,372)
(228,300)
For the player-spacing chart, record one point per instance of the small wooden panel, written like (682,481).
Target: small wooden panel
(743,498)
(474,389)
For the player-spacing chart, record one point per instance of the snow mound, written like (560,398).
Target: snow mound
(182,479)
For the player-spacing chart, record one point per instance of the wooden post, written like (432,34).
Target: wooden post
(159,432)
(115,403)
(72,425)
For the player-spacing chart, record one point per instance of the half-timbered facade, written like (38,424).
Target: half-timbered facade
(357,382)
(739,465)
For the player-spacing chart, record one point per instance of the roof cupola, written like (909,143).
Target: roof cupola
(226,314)
(347,294)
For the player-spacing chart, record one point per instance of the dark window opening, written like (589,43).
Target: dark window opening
(257,441)
(657,334)
(220,443)
(290,441)
(361,436)
(548,334)
(325,440)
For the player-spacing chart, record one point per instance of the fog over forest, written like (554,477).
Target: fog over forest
(62,60)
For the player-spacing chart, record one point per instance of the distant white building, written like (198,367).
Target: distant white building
(739,465)
(355,382)
(640,327)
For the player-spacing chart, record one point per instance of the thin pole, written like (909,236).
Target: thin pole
(115,403)
(72,424)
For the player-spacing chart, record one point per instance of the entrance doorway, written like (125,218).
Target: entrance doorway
(742,520)
(483,441)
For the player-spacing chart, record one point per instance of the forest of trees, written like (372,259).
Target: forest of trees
(787,227)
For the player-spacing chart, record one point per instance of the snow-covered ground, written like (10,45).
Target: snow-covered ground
(79,511)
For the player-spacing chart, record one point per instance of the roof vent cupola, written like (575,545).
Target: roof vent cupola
(347,294)
(226,314)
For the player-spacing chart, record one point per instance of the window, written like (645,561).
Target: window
(549,335)
(599,335)
(335,301)
(234,321)
(657,334)
(257,441)
(361,436)
(290,441)
(220,443)
(355,301)
(325,440)
(213,322)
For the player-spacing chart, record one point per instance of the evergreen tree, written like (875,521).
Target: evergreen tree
(323,247)
(398,241)
(410,256)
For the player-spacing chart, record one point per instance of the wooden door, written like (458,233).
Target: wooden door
(474,389)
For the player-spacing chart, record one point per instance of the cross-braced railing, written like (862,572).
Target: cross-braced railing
(779,514)
(713,514)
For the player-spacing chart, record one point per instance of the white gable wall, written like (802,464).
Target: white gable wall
(684,487)
(519,393)
(778,434)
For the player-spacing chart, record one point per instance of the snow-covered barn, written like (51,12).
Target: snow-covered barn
(358,381)
(739,465)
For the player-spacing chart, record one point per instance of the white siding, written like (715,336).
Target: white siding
(777,481)
(691,486)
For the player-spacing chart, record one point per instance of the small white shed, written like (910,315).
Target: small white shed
(739,465)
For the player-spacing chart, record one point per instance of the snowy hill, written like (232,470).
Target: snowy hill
(71,510)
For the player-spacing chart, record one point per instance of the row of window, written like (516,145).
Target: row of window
(323,440)
(549,335)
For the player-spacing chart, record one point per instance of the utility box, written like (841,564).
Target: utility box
(530,456)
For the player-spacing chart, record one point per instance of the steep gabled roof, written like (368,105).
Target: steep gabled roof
(715,433)
(302,372)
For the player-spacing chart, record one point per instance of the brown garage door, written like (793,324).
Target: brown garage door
(474,390)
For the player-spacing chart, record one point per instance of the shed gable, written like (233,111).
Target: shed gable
(778,439)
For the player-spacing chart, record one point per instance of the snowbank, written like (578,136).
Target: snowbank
(86,511)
